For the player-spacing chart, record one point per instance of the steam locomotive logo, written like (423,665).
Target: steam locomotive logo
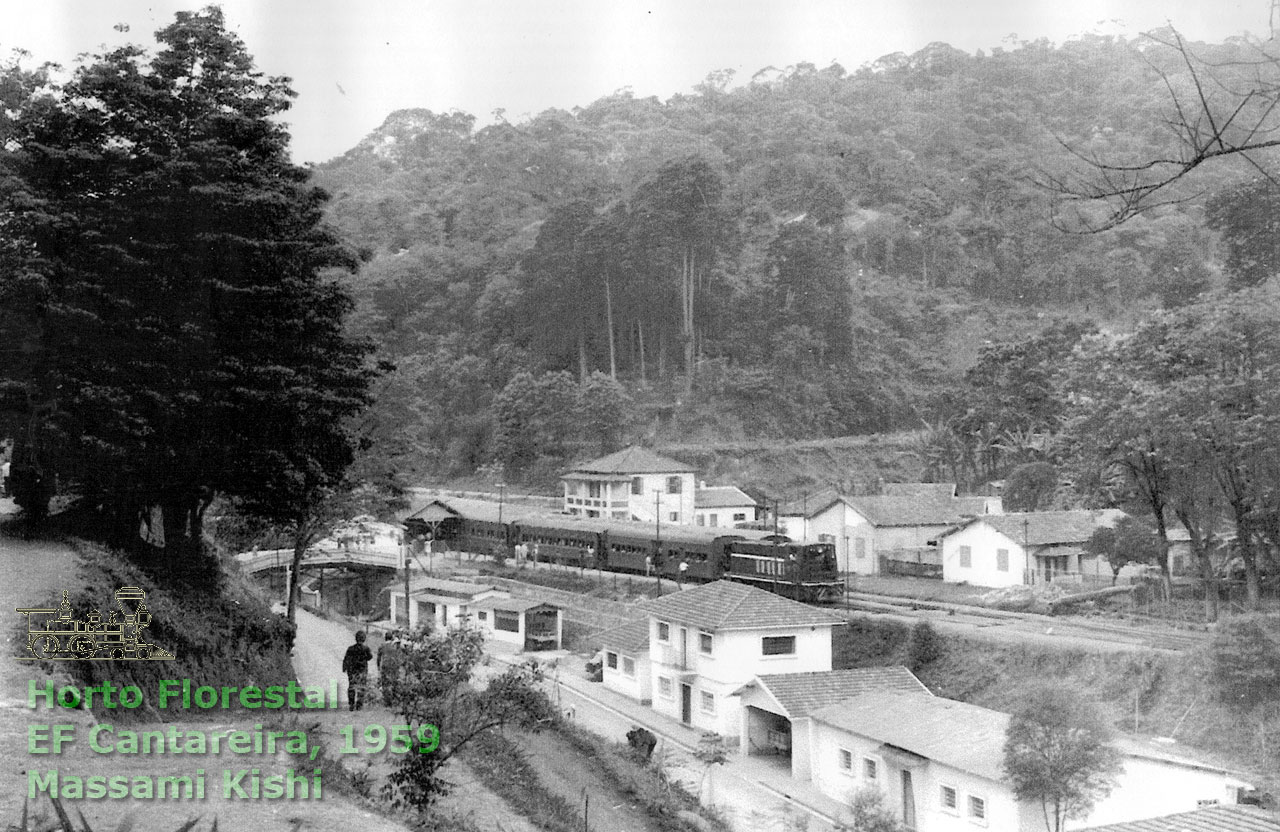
(55,634)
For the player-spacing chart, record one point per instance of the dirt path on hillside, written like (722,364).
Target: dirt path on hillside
(34,570)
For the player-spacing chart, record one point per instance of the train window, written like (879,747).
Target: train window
(778,645)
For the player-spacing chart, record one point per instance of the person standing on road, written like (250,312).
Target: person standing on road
(355,663)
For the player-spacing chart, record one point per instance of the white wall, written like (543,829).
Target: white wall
(736,657)
(639,685)
(1149,788)
(1003,814)
(724,516)
(983,541)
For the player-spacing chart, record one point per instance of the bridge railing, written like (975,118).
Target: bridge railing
(261,559)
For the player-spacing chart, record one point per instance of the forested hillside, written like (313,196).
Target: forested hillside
(809,252)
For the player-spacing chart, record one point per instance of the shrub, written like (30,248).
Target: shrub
(1245,654)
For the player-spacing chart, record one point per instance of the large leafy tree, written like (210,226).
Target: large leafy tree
(190,326)
(1056,753)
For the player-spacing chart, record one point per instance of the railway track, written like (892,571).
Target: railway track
(1006,625)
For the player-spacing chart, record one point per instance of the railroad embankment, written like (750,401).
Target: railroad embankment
(1148,694)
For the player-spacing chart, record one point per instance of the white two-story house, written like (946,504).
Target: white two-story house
(706,642)
(632,484)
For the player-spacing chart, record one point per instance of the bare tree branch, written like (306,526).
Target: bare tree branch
(1221,116)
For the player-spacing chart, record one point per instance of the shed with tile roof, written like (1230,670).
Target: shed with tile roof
(626,666)
(776,710)
(1026,548)
(940,765)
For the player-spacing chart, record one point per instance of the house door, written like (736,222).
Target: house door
(686,704)
(908,801)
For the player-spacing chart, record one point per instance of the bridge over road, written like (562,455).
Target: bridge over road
(322,555)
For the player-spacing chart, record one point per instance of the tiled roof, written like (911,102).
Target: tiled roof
(633,460)
(721,496)
(811,505)
(1209,819)
(725,605)
(916,510)
(956,734)
(631,638)
(439,586)
(1045,528)
(803,693)
(938,490)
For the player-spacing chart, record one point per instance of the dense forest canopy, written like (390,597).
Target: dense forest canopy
(813,252)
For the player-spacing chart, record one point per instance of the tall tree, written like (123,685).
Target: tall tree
(679,222)
(1056,753)
(191,326)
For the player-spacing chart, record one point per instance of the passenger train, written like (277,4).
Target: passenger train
(803,571)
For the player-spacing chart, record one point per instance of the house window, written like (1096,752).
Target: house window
(869,768)
(637,485)
(593,490)
(675,517)
(509,621)
(740,517)
(715,520)
(1002,560)
(708,702)
(704,642)
(977,809)
(628,667)
(664,631)
(664,687)
(860,548)
(778,645)
(702,520)
(482,615)
(949,799)
(673,485)
(844,758)
(966,557)
(611,659)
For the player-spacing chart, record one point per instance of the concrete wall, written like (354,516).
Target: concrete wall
(1002,812)
(638,685)
(983,542)
(1150,788)
(736,657)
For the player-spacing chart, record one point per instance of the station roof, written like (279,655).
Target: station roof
(632,460)
(727,605)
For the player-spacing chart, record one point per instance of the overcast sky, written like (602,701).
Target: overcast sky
(355,61)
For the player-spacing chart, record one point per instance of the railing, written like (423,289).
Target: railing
(257,561)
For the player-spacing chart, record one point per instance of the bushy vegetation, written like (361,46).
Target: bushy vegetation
(818,251)
(1177,696)
(219,637)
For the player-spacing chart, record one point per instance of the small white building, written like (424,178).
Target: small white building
(437,602)
(777,710)
(626,667)
(632,484)
(939,765)
(443,604)
(895,531)
(723,506)
(1025,548)
(708,641)
(523,622)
